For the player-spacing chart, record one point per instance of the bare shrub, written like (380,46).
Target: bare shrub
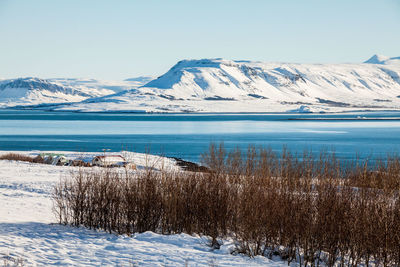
(21,157)
(315,210)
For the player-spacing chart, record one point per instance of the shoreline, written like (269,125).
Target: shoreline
(346,119)
(183,164)
(141,112)
(141,160)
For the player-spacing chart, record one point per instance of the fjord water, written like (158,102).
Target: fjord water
(186,136)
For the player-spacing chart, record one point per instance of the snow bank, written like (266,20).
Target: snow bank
(48,245)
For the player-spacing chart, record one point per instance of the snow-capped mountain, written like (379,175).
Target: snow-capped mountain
(35,91)
(218,85)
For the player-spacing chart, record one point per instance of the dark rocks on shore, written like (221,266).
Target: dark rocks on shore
(190,166)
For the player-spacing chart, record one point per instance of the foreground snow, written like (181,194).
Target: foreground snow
(47,245)
(28,232)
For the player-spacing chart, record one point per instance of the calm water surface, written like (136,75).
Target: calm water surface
(188,135)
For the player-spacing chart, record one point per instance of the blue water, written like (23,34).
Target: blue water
(188,135)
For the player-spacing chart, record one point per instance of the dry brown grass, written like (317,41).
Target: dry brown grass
(21,157)
(307,209)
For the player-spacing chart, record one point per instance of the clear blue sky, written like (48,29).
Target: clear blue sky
(122,39)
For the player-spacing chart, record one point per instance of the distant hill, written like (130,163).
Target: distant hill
(383,60)
(141,80)
(35,91)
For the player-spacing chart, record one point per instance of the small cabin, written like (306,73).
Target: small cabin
(53,159)
(60,161)
(109,161)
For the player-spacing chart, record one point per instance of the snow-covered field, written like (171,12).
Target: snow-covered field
(29,233)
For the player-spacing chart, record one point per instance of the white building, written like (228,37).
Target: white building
(109,161)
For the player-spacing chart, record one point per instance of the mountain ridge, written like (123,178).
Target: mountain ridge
(31,91)
(220,85)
